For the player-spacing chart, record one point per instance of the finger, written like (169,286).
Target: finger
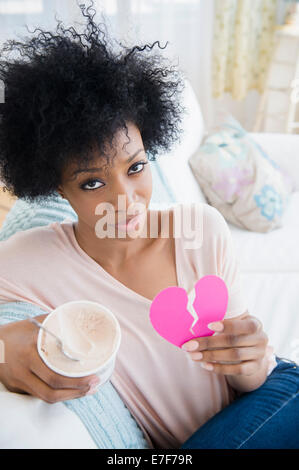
(229,354)
(57,381)
(15,389)
(244,368)
(223,340)
(247,326)
(38,388)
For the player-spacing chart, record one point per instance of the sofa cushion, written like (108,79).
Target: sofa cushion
(240,179)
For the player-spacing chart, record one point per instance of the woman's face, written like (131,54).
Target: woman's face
(128,175)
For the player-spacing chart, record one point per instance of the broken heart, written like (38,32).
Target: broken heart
(179,317)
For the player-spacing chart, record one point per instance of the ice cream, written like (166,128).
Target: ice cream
(88,332)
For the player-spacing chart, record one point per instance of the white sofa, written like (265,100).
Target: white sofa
(269,262)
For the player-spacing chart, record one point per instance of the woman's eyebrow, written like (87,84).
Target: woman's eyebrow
(92,170)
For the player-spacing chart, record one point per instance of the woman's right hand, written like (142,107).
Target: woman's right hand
(24,371)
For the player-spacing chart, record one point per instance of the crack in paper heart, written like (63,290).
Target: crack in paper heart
(191,309)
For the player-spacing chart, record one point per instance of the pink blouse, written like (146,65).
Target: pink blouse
(169,395)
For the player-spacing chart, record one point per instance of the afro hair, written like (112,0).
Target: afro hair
(68,92)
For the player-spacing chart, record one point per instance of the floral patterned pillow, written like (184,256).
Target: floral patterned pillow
(240,180)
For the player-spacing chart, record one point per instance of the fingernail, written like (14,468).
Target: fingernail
(215,326)
(190,346)
(206,366)
(197,355)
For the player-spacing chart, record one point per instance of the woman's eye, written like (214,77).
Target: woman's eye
(95,184)
(140,164)
(92,185)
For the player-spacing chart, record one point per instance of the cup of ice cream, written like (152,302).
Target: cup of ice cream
(90,332)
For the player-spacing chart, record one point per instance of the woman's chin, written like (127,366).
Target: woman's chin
(133,228)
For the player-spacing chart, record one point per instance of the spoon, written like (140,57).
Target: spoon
(58,340)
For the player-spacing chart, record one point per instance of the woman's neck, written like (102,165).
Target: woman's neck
(116,252)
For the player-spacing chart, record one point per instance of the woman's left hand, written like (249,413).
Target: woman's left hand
(240,340)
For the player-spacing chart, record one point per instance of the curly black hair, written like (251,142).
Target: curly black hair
(70,91)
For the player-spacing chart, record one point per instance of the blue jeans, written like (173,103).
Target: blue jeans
(266,418)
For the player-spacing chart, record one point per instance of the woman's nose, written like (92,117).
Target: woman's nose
(124,194)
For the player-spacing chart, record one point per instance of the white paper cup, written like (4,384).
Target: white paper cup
(103,371)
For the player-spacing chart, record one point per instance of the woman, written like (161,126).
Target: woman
(81,120)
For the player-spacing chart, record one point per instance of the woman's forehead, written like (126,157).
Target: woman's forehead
(77,167)
(123,149)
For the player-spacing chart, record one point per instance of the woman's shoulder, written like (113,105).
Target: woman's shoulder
(30,261)
(25,246)
(21,237)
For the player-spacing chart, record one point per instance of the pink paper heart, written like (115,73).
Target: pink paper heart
(170,317)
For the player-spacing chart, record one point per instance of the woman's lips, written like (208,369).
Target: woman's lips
(129,221)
